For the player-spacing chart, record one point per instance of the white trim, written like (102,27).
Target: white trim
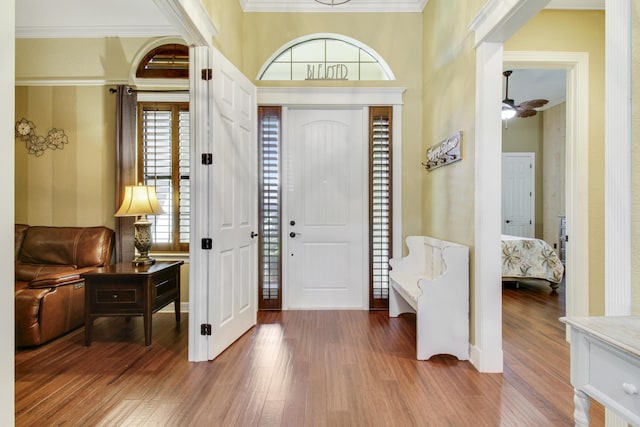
(576,4)
(617,206)
(330,96)
(382,6)
(191,20)
(369,50)
(163,97)
(199,57)
(486,353)
(68,82)
(88,32)
(142,52)
(396,183)
(498,20)
(184,308)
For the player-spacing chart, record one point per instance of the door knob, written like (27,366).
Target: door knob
(508,221)
(292,234)
(253,234)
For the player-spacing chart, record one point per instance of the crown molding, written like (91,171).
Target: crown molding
(576,4)
(49,32)
(374,6)
(191,19)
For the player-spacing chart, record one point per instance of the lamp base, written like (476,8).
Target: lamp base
(139,260)
(143,242)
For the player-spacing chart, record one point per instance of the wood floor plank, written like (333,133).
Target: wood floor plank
(302,368)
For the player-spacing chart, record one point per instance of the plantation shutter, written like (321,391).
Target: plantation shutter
(380,205)
(163,162)
(269,206)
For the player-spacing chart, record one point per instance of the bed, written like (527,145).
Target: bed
(526,258)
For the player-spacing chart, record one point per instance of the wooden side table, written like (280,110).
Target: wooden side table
(126,290)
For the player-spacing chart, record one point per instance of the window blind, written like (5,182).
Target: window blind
(270,208)
(380,205)
(163,162)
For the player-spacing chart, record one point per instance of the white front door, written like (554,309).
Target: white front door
(326,219)
(518,194)
(232,205)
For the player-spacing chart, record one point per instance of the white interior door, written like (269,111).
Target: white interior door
(518,194)
(233,211)
(326,216)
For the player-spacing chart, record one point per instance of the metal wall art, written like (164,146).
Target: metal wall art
(444,152)
(36,144)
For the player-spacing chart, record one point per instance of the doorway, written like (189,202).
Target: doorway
(518,194)
(278,107)
(325,209)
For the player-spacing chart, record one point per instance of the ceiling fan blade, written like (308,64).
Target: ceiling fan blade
(525,113)
(534,103)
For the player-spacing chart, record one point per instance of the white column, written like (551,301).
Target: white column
(617,165)
(486,354)
(618,158)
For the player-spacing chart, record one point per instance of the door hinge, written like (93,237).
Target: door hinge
(207,158)
(207,243)
(205,329)
(207,74)
(566,238)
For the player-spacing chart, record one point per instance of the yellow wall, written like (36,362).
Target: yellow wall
(448,100)
(96,60)
(580,31)
(73,186)
(265,33)
(449,107)
(227,16)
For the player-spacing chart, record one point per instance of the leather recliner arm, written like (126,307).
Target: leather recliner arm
(59,279)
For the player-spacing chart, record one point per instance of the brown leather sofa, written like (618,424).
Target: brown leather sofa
(49,292)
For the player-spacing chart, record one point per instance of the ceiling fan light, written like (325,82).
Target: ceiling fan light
(508,112)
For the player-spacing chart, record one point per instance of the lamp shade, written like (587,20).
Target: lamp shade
(139,200)
(508,112)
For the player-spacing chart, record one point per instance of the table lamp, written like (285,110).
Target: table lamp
(140,201)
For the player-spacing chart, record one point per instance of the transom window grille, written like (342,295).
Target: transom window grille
(163,162)
(380,205)
(325,57)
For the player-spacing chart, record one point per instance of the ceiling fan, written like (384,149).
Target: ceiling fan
(524,109)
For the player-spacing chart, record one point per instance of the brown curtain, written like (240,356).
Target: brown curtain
(126,168)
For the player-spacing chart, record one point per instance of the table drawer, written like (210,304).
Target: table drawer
(115,296)
(616,376)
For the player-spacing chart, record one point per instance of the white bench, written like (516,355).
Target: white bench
(432,281)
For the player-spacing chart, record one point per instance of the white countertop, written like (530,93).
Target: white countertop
(622,332)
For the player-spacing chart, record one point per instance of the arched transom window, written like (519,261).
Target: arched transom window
(325,57)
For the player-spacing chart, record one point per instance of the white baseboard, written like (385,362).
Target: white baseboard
(184,308)
(483,363)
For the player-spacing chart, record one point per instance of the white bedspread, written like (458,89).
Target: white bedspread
(530,258)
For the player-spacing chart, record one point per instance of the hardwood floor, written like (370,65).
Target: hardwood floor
(297,368)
